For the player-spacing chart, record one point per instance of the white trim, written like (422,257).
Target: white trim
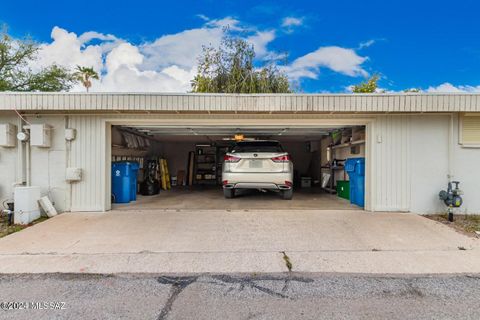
(240,103)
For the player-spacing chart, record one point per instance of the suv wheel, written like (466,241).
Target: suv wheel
(229,193)
(287,194)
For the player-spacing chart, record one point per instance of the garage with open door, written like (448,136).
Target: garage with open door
(161,166)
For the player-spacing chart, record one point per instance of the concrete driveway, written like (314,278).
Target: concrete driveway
(186,241)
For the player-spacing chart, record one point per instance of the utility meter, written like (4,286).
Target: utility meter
(22,136)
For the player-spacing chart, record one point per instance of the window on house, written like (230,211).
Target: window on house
(470,130)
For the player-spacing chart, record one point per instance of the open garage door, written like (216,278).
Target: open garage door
(183,167)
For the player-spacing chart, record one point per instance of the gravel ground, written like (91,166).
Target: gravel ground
(263,296)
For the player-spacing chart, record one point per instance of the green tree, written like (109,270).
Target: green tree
(230,69)
(367,86)
(84,75)
(16,74)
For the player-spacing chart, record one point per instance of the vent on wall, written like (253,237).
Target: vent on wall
(470,130)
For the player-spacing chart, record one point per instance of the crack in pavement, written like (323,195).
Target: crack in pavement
(178,285)
(288,263)
(251,283)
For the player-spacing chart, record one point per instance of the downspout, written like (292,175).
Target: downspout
(20,157)
(27,163)
(24,157)
(451,139)
(68,164)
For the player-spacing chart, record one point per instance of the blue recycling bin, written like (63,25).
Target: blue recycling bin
(355,168)
(124,181)
(133,181)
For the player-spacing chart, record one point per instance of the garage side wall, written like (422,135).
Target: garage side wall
(10,172)
(88,153)
(429,161)
(47,165)
(389,164)
(466,169)
(431,164)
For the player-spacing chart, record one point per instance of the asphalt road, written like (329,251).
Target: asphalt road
(273,296)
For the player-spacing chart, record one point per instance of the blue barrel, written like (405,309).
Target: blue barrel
(355,168)
(122,181)
(133,181)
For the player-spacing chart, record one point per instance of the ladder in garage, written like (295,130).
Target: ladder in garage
(165,175)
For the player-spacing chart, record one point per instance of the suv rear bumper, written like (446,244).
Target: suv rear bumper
(257,185)
(270,181)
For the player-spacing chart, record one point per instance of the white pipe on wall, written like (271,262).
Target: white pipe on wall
(20,156)
(451,147)
(68,148)
(27,163)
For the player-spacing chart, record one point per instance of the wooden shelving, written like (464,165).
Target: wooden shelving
(350,137)
(348,144)
(127,152)
(205,168)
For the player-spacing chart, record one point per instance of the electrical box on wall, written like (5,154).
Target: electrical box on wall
(40,135)
(73,174)
(70,134)
(8,134)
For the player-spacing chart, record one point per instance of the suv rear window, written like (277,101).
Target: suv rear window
(258,146)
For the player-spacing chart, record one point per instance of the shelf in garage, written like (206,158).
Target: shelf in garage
(348,144)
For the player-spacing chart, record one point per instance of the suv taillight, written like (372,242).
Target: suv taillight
(284,158)
(228,158)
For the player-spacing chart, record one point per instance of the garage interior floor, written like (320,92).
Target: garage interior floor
(210,198)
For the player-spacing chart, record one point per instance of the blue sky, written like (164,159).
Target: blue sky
(432,45)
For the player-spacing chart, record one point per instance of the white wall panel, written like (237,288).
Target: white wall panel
(466,169)
(390,169)
(48,164)
(9,170)
(87,153)
(429,162)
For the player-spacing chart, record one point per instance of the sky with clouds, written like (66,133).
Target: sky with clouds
(149,46)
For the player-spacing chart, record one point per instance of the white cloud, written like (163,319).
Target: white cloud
(203,17)
(227,22)
(450,88)
(290,23)
(90,35)
(338,59)
(260,41)
(169,62)
(181,49)
(66,50)
(366,44)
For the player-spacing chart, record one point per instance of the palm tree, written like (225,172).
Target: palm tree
(84,74)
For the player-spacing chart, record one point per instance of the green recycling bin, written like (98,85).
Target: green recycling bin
(343,189)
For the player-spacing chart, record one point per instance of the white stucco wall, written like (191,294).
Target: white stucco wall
(428,162)
(47,164)
(430,165)
(9,170)
(388,163)
(466,169)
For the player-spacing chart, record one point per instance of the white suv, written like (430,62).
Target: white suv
(259,164)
